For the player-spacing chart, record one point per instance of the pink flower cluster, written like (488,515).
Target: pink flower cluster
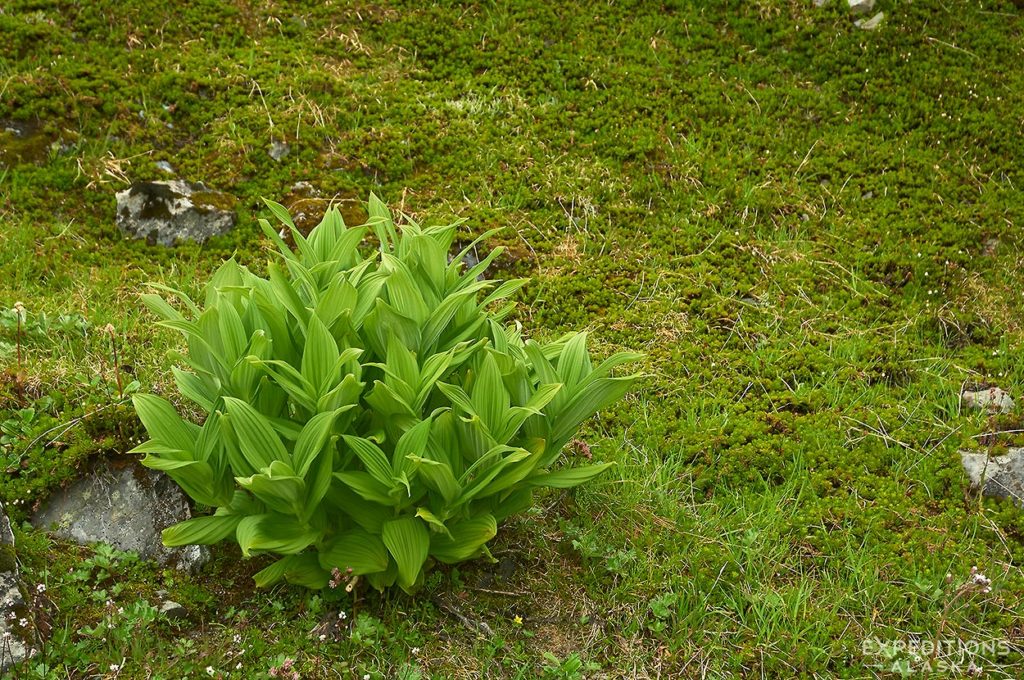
(338,577)
(286,671)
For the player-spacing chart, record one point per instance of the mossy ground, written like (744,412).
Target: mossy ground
(811,230)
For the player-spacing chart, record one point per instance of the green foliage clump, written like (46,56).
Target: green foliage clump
(366,413)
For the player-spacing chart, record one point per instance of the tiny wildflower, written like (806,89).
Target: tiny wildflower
(41,588)
(23,622)
(518,620)
(210,671)
(980,580)
(114,668)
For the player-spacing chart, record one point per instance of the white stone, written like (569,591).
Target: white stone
(993,400)
(172,211)
(997,476)
(125,507)
(870,24)
(860,7)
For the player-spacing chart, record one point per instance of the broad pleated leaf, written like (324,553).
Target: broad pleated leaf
(570,477)
(163,423)
(375,461)
(357,549)
(200,530)
(464,540)
(408,541)
(259,443)
(273,533)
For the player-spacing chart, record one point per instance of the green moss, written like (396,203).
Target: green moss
(8,559)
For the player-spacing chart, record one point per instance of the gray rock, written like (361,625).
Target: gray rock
(997,476)
(172,211)
(860,7)
(13,649)
(173,610)
(993,400)
(278,150)
(870,24)
(127,507)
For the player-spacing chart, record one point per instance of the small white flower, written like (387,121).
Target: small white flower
(41,588)
(114,668)
(415,651)
(22,622)
(210,671)
(238,666)
(366,676)
(322,637)
(342,615)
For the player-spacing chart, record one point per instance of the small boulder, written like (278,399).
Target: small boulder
(126,506)
(173,610)
(172,211)
(993,400)
(860,7)
(996,476)
(13,649)
(279,150)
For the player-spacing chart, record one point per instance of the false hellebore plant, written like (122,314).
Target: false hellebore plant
(366,412)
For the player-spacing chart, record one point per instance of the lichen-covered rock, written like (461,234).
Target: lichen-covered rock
(13,649)
(996,476)
(860,7)
(174,611)
(126,506)
(279,150)
(173,211)
(993,400)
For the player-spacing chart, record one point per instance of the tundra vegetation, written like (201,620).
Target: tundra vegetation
(810,230)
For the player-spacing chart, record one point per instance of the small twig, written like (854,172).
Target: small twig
(478,626)
(952,46)
(489,591)
(807,157)
(992,434)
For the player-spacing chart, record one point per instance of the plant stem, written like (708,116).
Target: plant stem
(117,361)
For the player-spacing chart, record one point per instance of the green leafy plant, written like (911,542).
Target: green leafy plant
(366,413)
